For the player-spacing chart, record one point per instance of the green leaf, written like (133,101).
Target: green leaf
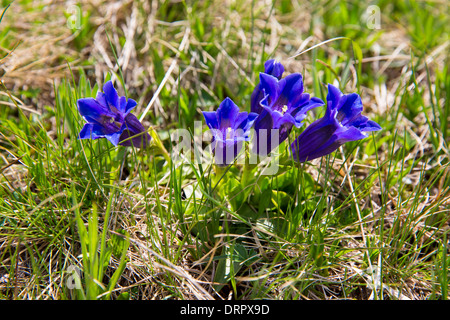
(124,296)
(233,190)
(119,243)
(370,148)
(281,199)
(359,56)
(316,247)
(264,201)
(229,264)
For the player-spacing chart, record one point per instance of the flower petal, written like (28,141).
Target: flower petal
(336,140)
(350,108)
(92,111)
(349,134)
(114,138)
(333,97)
(274,68)
(271,87)
(130,105)
(245,120)
(271,67)
(111,95)
(122,104)
(305,104)
(126,105)
(255,99)
(135,129)
(101,99)
(90,131)
(279,119)
(369,126)
(227,113)
(211,119)
(140,140)
(133,124)
(293,89)
(284,94)
(342,123)
(315,136)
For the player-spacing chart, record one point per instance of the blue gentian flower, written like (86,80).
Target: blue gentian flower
(284,105)
(108,116)
(230,128)
(274,68)
(342,123)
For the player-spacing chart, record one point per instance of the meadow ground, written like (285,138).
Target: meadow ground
(82,219)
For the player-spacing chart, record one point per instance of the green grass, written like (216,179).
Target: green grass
(368,221)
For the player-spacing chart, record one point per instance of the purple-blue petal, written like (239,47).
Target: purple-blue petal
(92,111)
(365,124)
(282,94)
(134,128)
(111,95)
(140,140)
(280,119)
(264,121)
(274,68)
(122,104)
(133,124)
(271,87)
(306,104)
(108,117)
(101,99)
(271,67)
(350,108)
(293,89)
(240,121)
(308,145)
(252,116)
(126,105)
(333,97)
(255,99)
(337,139)
(267,137)
(131,104)
(114,137)
(302,153)
(90,131)
(227,113)
(211,119)
(226,152)
(245,120)
(345,134)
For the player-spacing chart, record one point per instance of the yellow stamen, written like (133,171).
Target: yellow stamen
(285,108)
(112,120)
(229,132)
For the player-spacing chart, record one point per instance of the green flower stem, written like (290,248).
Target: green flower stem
(247,173)
(217,178)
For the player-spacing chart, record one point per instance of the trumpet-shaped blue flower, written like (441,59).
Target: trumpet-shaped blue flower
(284,105)
(230,128)
(108,116)
(343,122)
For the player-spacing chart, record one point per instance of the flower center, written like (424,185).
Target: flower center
(340,116)
(229,133)
(284,109)
(116,123)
